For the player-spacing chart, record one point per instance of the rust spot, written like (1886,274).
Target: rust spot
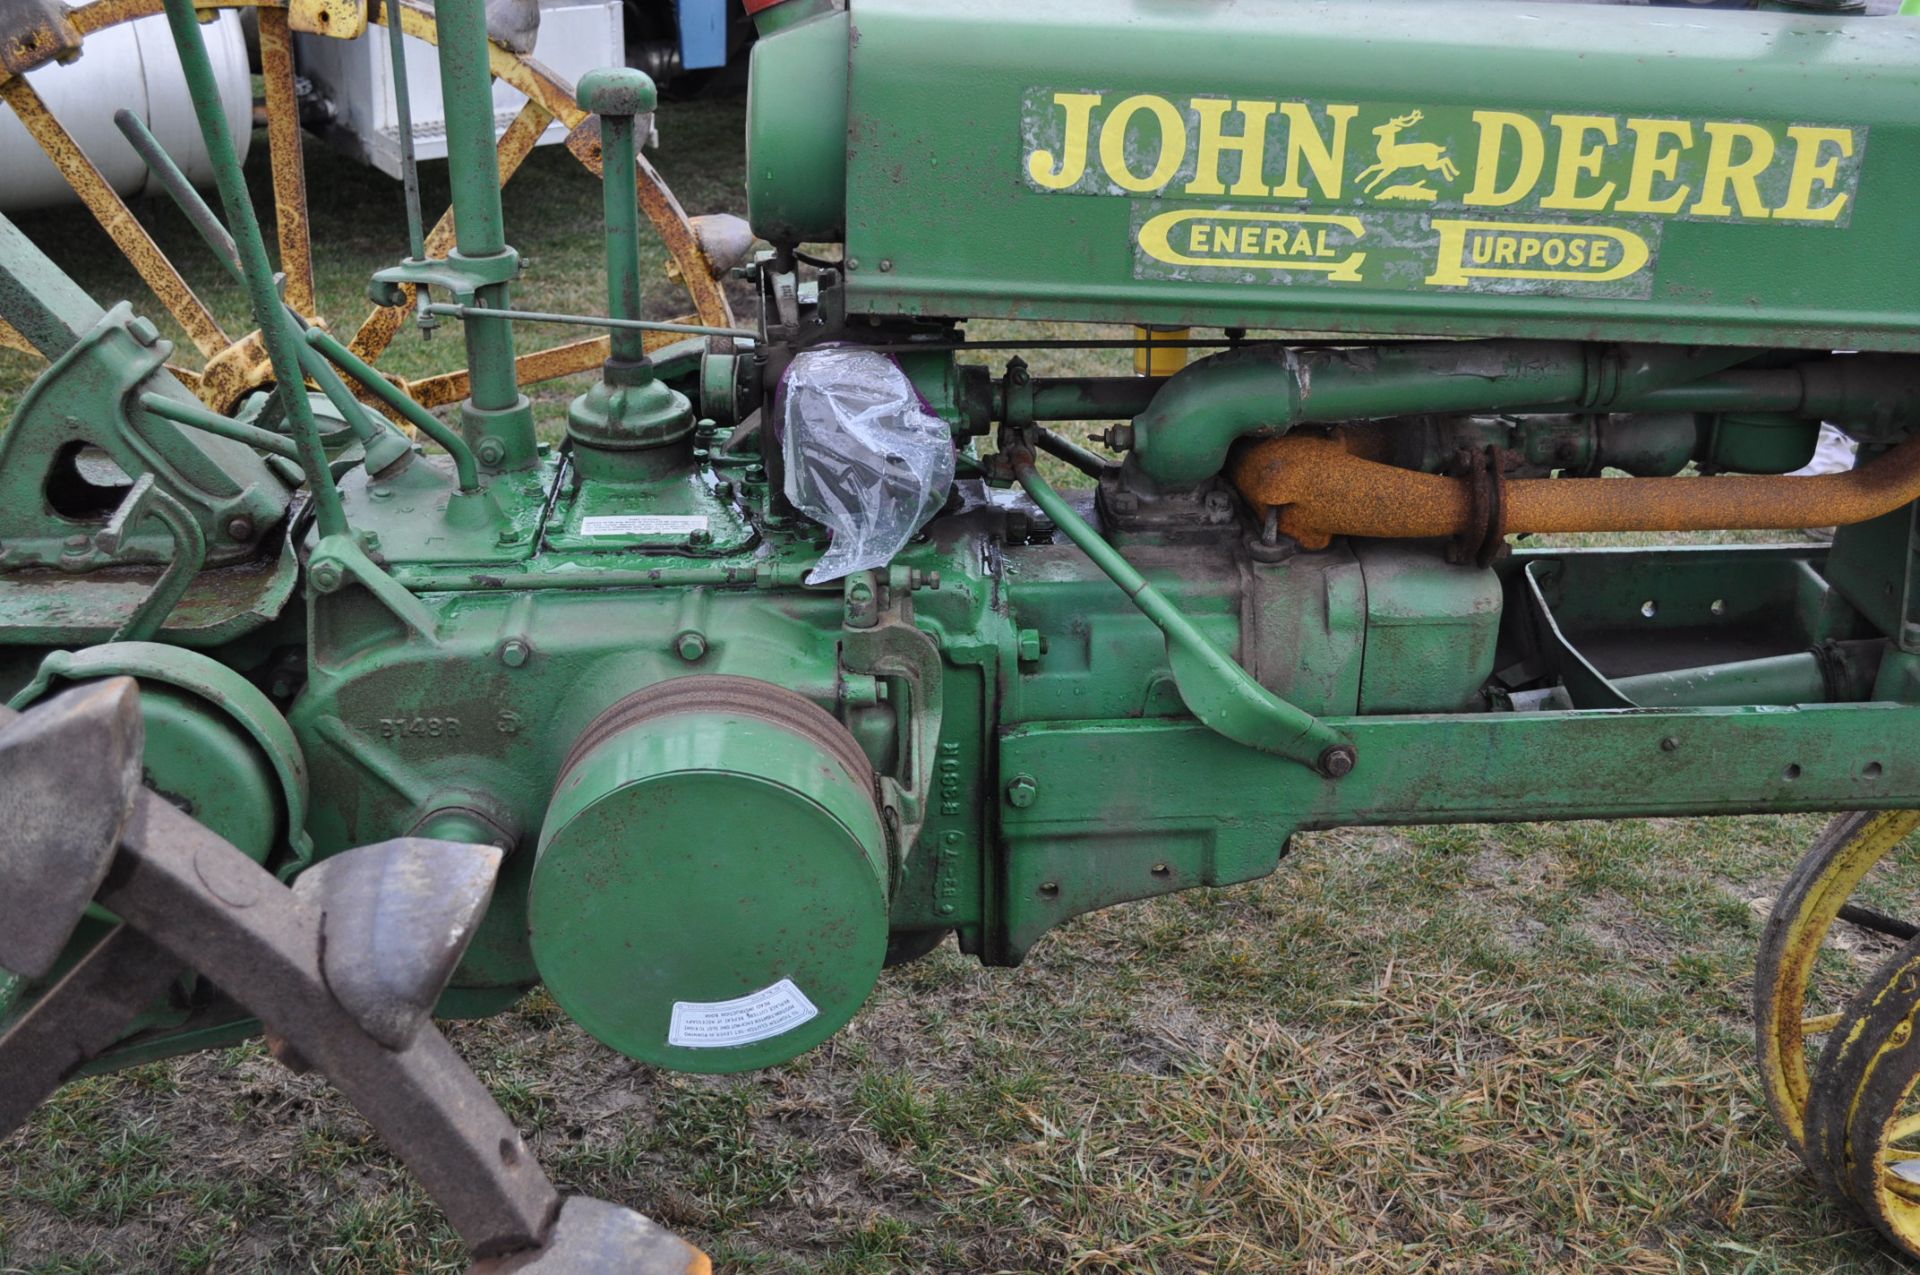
(1323,487)
(114,217)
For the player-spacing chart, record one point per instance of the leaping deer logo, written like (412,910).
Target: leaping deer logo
(1395,156)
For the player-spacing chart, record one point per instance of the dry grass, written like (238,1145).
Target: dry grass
(1463,1050)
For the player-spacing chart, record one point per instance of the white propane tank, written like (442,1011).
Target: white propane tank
(131,65)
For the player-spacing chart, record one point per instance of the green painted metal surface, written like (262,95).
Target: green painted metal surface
(1050,704)
(1591,171)
(710,893)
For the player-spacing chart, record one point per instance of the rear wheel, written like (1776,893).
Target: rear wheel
(1836,995)
(223,369)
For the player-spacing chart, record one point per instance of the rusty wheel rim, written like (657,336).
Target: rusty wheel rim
(1863,1129)
(230,368)
(1802,917)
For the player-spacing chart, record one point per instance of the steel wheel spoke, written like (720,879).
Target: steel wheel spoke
(115,217)
(11,339)
(1899,1131)
(232,368)
(289,167)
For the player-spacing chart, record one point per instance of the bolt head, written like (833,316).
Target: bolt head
(1337,762)
(691,646)
(325,577)
(141,329)
(240,528)
(491,451)
(1022,791)
(514,652)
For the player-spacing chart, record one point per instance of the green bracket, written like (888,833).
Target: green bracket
(189,554)
(892,647)
(339,560)
(459,277)
(1219,692)
(211,681)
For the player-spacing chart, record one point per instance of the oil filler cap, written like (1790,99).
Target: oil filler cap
(710,892)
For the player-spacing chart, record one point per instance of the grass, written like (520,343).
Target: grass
(1464,1049)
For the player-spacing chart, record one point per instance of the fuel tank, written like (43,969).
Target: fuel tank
(1601,172)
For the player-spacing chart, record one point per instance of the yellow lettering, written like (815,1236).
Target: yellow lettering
(1649,162)
(1503,252)
(1812,173)
(1172,141)
(1577,158)
(1597,256)
(1742,177)
(1305,145)
(1577,253)
(1276,241)
(1250,143)
(1197,239)
(1050,173)
(1494,129)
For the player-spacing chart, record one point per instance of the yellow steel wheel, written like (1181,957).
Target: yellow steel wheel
(1802,918)
(227,368)
(1862,1128)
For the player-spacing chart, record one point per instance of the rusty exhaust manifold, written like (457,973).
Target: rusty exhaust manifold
(1325,483)
(1323,489)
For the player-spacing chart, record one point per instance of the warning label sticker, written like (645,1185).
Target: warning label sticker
(761,1015)
(643,525)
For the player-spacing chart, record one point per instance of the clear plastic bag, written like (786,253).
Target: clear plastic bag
(864,456)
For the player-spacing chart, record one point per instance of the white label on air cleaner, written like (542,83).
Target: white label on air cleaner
(760,1015)
(643,525)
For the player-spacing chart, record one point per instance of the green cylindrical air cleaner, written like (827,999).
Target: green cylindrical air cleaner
(710,892)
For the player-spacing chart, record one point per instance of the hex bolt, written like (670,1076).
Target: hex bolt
(723,490)
(1022,791)
(700,536)
(1031,645)
(240,528)
(1338,760)
(141,329)
(514,652)
(325,577)
(491,450)
(691,646)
